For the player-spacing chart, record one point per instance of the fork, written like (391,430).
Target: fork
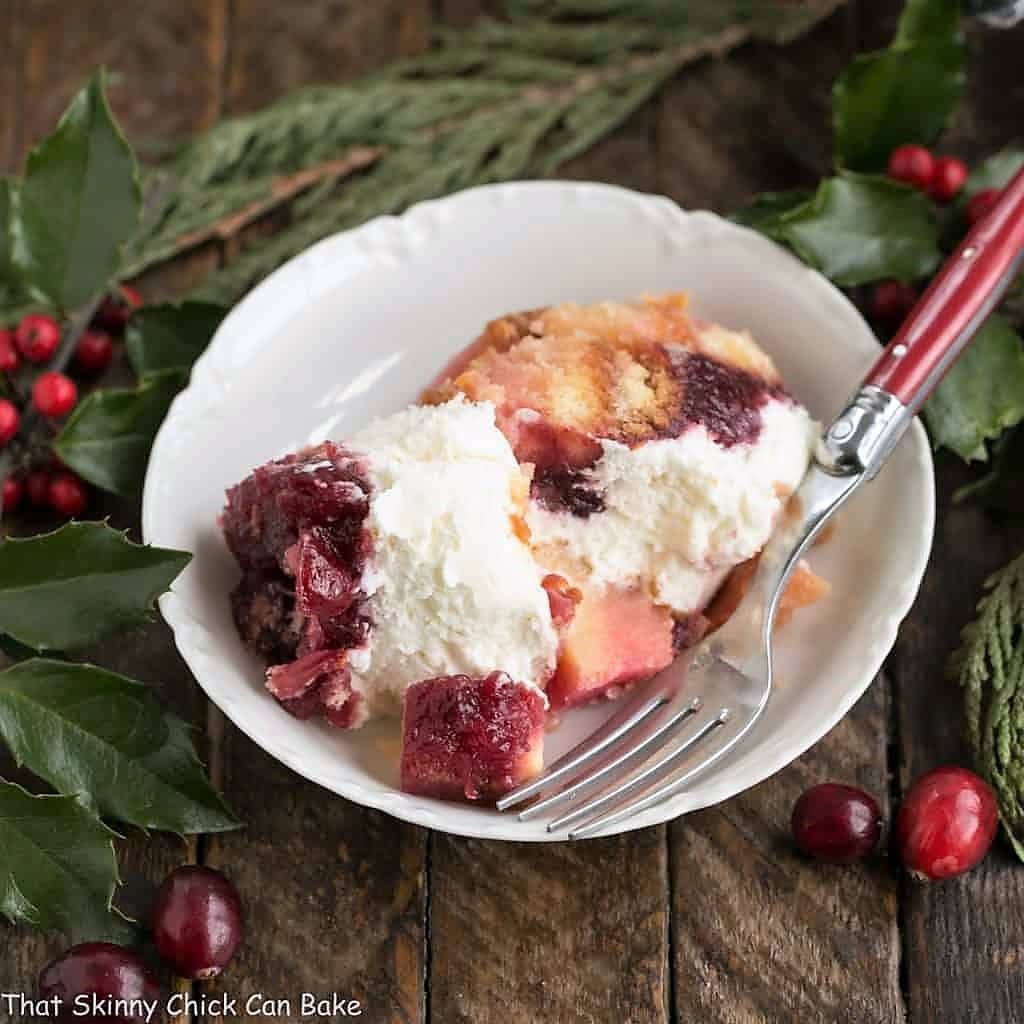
(675,726)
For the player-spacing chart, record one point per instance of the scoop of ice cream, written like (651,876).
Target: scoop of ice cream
(453,588)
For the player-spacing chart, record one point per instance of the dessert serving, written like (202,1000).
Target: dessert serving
(579,498)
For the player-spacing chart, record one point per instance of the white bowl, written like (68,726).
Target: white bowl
(355,326)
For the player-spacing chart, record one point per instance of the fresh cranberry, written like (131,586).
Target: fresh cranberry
(836,823)
(913,165)
(981,202)
(949,177)
(891,301)
(117,307)
(105,971)
(13,492)
(67,495)
(37,337)
(54,394)
(8,353)
(947,822)
(94,351)
(10,420)
(37,487)
(197,921)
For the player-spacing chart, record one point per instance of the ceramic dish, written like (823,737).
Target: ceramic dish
(356,325)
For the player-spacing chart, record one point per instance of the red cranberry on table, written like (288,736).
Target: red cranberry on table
(67,495)
(9,360)
(949,178)
(981,202)
(94,351)
(836,823)
(891,301)
(10,420)
(13,492)
(946,824)
(197,921)
(117,307)
(37,337)
(913,165)
(54,394)
(103,970)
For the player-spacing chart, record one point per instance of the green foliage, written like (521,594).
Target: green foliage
(170,337)
(77,205)
(905,93)
(109,435)
(102,738)
(982,394)
(990,668)
(57,865)
(64,590)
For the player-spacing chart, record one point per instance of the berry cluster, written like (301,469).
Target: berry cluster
(942,179)
(25,352)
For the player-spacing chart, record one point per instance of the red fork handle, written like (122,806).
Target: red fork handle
(955,304)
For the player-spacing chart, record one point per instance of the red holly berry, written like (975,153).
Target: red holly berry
(94,351)
(54,394)
(891,301)
(981,202)
(67,495)
(37,487)
(13,492)
(37,337)
(913,165)
(8,353)
(117,307)
(10,420)
(947,180)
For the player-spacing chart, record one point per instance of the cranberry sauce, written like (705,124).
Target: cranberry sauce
(296,527)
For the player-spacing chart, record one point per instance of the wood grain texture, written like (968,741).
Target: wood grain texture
(12,75)
(276,47)
(334,893)
(549,932)
(165,62)
(761,933)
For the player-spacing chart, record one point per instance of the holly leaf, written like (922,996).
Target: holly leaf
(905,93)
(64,590)
(102,738)
(170,337)
(57,865)
(77,205)
(1001,488)
(995,172)
(982,395)
(860,228)
(7,187)
(767,212)
(108,437)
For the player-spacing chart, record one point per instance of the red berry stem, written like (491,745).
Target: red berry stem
(34,428)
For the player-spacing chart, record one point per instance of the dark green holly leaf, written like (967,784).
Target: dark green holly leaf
(7,187)
(13,651)
(57,865)
(982,395)
(103,738)
(766,212)
(65,590)
(1001,488)
(995,172)
(78,204)
(170,337)
(108,437)
(905,93)
(860,228)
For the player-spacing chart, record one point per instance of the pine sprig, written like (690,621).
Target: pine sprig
(990,668)
(495,101)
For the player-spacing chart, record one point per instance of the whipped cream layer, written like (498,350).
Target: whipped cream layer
(679,513)
(453,588)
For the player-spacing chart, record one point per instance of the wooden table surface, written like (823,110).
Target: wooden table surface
(713,918)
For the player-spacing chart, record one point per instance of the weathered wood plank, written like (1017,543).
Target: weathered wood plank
(549,932)
(165,61)
(12,72)
(762,933)
(277,47)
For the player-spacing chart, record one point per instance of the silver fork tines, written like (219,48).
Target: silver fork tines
(676,725)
